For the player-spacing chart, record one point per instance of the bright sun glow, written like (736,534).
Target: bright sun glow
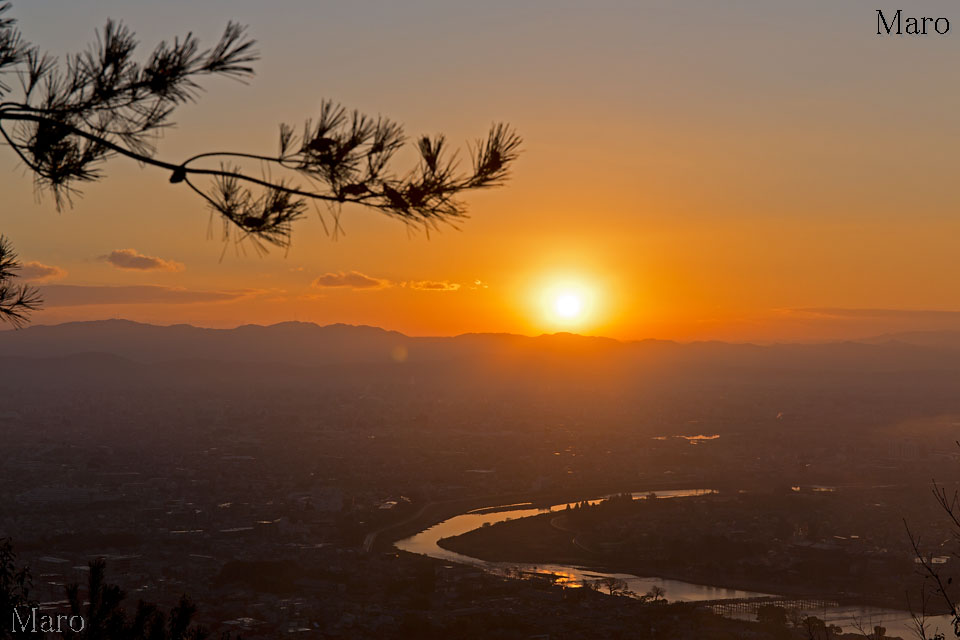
(567,302)
(568,305)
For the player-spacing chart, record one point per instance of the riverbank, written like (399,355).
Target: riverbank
(434,512)
(549,539)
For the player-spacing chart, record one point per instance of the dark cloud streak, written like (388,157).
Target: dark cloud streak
(66,295)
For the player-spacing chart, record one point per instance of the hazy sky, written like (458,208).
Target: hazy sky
(692,169)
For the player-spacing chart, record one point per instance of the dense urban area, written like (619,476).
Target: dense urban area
(271,491)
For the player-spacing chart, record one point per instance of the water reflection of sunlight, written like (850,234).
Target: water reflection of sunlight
(563,578)
(697,439)
(425,543)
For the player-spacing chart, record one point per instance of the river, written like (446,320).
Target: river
(897,623)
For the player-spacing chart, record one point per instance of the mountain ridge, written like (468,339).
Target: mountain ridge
(310,344)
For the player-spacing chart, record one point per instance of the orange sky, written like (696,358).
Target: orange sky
(755,171)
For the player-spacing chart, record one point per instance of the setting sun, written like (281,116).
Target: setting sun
(568,305)
(567,302)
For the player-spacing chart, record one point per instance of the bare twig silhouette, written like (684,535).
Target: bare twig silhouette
(935,582)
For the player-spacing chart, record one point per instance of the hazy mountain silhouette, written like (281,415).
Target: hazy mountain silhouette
(288,342)
(301,344)
(945,339)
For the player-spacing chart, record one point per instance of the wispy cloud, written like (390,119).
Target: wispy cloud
(66,295)
(39,272)
(430,285)
(133,260)
(351,280)
(358,280)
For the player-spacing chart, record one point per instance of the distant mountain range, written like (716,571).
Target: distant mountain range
(938,339)
(289,342)
(310,345)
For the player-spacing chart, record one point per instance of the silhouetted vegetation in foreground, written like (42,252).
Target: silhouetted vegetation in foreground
(95,611)
(406,596)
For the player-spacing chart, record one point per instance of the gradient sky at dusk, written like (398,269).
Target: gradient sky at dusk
(746,170)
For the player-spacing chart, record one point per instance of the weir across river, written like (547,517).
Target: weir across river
(741,606)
